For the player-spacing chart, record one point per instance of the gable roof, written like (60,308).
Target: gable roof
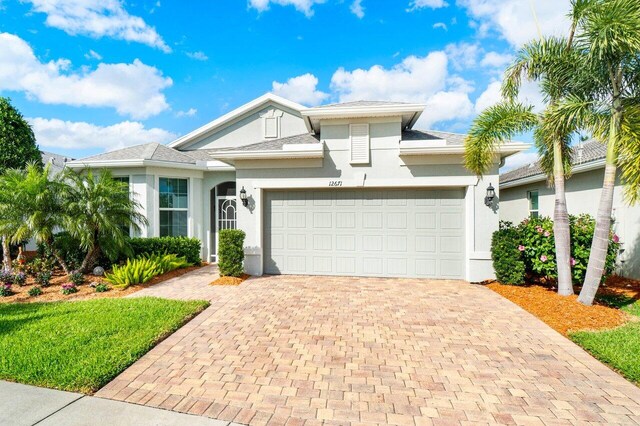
(586,152)
(57,162)
(232,115)
(153,152)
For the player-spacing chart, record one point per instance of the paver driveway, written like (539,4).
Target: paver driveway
(346,350)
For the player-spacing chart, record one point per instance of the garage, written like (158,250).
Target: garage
(365,232)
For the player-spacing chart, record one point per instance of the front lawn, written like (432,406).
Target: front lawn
(81,346)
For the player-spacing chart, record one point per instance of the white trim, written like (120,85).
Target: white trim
(79,164)
(363,111)
(580,168)
(425,182)
(158,209)
(314,150)
(412,148)
(469,229)
(219,122)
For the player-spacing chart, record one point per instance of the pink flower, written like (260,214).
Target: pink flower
(521,247)
(616,239)
(543,258)
(539,229)
(573,262)
(546,233)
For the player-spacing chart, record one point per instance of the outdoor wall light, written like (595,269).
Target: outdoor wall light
(243,197)
(491,194)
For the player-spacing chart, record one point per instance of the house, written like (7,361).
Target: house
(341,189)
(524,192)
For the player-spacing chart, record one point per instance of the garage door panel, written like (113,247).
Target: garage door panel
(404,233)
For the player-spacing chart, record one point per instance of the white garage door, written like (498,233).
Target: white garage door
(380,233)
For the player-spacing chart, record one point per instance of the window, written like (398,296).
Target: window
(124,179)
(533,203)
(359,143)
(174,207)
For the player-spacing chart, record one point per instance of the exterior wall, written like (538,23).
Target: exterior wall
(386,169)
(583,196)
(249,129)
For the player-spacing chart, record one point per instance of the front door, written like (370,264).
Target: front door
(225,214)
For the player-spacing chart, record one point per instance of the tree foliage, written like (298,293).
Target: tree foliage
(17,141)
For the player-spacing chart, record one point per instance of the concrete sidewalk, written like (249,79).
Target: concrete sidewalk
(22,405)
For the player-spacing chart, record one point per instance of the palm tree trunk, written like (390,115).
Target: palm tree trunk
(561,231)
(6,254)
(59,259)
(600,244)
(90,259)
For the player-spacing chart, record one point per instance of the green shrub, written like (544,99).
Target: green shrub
(534,239)
(67,246)
(101,288)
(189,248)
(231,252)
(507,258)
(43,278)
(76,277)
(35,291)
(144,268)
(69,288)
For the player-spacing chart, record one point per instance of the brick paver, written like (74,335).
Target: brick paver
(320,350)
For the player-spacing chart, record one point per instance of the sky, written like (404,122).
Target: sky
(97,75)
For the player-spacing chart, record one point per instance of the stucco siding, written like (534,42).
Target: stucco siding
(583,196)
(250,129)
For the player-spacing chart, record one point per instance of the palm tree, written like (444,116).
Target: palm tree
(608,32)
(551,62)
(97,207)
(10,212)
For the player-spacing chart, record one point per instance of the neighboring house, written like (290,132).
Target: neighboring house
(343,189)
(524,192)
(57,163)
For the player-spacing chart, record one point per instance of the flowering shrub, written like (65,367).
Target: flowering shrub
(69,288)
(35,291)
(6,277)
(533,241)
(5,290)
(76,277)
(43,278)
(20,278)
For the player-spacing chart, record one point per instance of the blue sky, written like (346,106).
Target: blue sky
(98,75)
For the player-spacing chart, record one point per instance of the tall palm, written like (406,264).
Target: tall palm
(97,207)
(549,62)
(608,33)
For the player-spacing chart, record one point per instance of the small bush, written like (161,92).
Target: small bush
(5,290)
(43,278)
(6,277)
(67,246)
(507,258)
(20,278)
(35,291)
(231,252)
(101,288)
(144,268)
(189,248)
(76,278)
(39,265)
(69,288)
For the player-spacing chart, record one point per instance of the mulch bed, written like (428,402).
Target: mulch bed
(53,292)
(231,280)
(566,314)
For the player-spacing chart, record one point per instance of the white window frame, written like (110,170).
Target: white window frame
(130,183)
(368,158)
(176,209)
(530,199)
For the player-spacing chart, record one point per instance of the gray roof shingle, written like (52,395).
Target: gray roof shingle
(56,161)
(585,152)
(451,138)
(149,151)
(274,145)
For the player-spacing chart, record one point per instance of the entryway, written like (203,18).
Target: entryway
(223,212)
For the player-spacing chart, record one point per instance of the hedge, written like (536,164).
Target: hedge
(507,259)
(189,248)
(231,252)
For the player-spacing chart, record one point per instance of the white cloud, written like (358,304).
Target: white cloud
(304,6)
(302,89)
(357,8)
(489,97)
(519,159)
(133,89)
(416,79)
(440,25)
(463,55)
(421,4)
(98,18)
(198,56)
(188,113)
(92,54)
(55,133)
(514,19)
(496,60)
(529,95)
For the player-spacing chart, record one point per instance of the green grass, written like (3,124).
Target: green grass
(619,347)
(81,346)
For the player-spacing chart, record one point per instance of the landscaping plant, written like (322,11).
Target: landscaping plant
(6,277)
(231,252)
(189,248)
(69,288)
(508,261)
(76,277)
(20,278)
(43,278)
(144,268)
(101,288)
(35,291)
(5,290)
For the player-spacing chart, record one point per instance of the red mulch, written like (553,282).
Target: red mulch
(565,314)
(231,280)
